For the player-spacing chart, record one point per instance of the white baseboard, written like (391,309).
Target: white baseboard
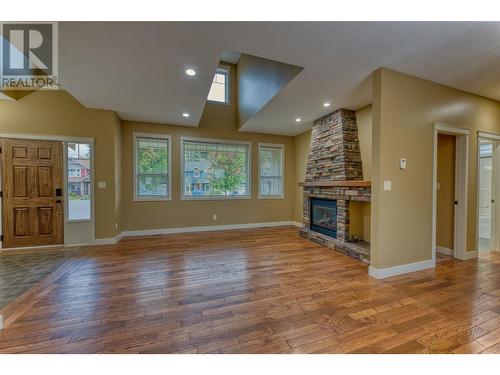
(382,273)
(470,255)
(206,228)
(70,245)
(444,250)
(105,241)
(298,224)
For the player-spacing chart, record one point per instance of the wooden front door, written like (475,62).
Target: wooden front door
(32,188)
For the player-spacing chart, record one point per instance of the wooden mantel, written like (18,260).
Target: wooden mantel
(337,183)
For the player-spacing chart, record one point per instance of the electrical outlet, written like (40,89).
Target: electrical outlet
(215,217)
(101,185)
(387,185)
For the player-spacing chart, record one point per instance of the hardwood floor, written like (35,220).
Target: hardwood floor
(253,291)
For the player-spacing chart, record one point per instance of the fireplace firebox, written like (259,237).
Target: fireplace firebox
(323,216)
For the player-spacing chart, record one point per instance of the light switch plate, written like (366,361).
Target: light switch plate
(387,185)
(402,163)
(101,185)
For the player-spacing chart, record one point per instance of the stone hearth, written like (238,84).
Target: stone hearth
(334,172)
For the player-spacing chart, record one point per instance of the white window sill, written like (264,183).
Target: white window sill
(271,197)
(214,198)
(152,199)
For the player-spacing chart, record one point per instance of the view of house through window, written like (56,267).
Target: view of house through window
(151,170)
(219,91)
(271,170)
(79,184)
(213,169)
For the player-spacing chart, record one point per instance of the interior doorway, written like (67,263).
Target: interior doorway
(450,179)
(488,237)
(445,211)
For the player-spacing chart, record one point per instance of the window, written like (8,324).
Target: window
(219,91)
(215,169)
(75,172)
(271,171)
(152,167)
(79,181)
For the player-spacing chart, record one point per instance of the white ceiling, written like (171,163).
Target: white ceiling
(137,69)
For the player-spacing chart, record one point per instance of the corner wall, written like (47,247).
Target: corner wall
(404,109)
(300,155)
(58,113)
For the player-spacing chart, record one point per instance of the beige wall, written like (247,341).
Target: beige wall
(186,213)
(360,212)
(404,109)
(58,113)
(359,219)
(117,124)
(445,208)
(218,121)
(300,154)
(364,121)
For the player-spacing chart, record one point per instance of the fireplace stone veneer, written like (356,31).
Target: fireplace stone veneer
(334,172)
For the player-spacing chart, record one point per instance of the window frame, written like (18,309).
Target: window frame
(168,138)
(91,180)
(281,147)
(227,72)
(216,197)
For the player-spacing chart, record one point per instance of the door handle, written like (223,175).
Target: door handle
(455,203)
(58,201)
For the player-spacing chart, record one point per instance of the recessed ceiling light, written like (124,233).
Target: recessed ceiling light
(298,119)
(185,114)
(190,72)
(327,104)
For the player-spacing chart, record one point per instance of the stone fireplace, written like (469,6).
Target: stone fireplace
(334,179)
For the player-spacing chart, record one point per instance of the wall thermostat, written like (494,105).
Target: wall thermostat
(402,163)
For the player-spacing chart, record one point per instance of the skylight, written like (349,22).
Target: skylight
(219,91)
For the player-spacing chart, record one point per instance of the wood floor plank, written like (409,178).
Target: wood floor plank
(253,291)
